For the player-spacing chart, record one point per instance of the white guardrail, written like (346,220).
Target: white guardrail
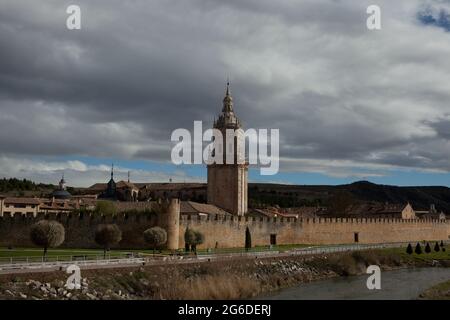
(86,261)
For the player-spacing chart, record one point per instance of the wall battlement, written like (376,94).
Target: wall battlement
(80,227)
(224,231)
(222,218)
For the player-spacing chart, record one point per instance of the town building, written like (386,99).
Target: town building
(122,190)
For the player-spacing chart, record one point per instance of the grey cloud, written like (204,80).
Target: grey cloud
(119,86)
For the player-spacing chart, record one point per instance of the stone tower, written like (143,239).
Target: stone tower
(171,222)
(227,183)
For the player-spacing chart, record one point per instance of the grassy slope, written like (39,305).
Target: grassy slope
(438,292)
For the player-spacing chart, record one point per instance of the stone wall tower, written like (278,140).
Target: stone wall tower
(227,183)
(171,222)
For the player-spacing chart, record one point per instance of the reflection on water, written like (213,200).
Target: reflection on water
(402,284)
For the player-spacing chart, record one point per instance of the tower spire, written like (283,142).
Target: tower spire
(228,100)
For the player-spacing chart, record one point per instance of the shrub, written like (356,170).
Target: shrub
(189,238)
(107,235)
(47,234)
(156,237)
(192,239)
(427,248)
(409,249)
(106,208)
(418,249)
(199,239)
(442,243)
(436,247)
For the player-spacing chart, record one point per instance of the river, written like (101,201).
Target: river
(403,284)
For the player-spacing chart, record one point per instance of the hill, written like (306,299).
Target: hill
(420,197)
(263,194)
(24,187)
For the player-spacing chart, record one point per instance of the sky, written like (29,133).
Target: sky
(350,103)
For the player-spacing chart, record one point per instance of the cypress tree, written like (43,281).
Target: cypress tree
(409,249)
(418,249)
(436,247)
(427,248)
(248,239)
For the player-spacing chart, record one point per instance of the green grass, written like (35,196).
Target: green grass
(280,248)
(24,253)
(61,253)
(35,254)
(438,292)
(441,255)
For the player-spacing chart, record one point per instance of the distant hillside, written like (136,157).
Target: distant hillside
(343,195)
(24,187)
(336,198)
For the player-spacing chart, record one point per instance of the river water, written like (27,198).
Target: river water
(404,284)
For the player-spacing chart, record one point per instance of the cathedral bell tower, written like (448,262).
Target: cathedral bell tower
(227,183)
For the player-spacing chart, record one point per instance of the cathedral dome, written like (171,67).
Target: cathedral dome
(61,194)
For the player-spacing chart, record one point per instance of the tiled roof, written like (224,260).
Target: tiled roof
(120,184)
(125,184)
(98,187)
(375,209)
(190,207)
(171,186)
(22,201)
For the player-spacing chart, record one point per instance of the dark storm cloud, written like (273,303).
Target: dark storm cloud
(139,69)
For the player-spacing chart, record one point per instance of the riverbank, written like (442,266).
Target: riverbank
(438,292)
(234,279)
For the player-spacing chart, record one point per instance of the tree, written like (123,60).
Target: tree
(436,247)
(156,237)
(418,249)
(47,234)
(107,235)
(189,238)
(427,248)
(106,208)
(409,249)
(442,243)
(199,239)
(248,239)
